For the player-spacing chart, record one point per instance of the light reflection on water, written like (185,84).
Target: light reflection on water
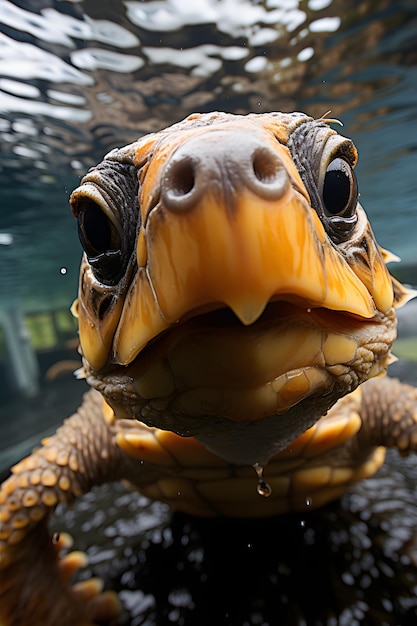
(78,81)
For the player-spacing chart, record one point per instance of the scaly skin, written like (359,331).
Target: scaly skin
(35,580)
(233,307)
(33,576)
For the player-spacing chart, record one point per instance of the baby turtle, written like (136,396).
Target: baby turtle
(235,315)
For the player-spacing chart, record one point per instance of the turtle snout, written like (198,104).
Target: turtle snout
(222,163)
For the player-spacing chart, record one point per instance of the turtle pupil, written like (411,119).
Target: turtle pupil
(94,229)
(338,186)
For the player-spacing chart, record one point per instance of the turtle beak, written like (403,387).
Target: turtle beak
(232,227)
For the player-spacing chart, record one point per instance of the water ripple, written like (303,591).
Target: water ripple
(79,80)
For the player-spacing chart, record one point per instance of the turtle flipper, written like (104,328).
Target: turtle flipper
(389,414)
(35,587)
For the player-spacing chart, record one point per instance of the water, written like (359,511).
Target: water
(79,78)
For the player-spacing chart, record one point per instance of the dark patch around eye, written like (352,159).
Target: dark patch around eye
(104,306)
(364,245)
(95,298)
(333,193)
(107,229)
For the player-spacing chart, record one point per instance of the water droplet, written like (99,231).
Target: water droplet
(303,523)
(262,487)
(307,502)
(63,270)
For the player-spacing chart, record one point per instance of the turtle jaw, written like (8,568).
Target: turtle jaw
(247,392)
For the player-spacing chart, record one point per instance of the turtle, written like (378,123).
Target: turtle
(236,318)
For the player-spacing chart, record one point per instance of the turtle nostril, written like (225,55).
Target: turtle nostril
(221,164)
(268,177)
(266,167)
(181,178)
(179,190)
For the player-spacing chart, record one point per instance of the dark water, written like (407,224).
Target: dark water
(79,78)
(352,563)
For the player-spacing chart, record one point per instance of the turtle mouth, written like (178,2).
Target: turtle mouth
(211,377)
(210,364)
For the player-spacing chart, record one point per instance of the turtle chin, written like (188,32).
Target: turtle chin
(250,443)
(247,392)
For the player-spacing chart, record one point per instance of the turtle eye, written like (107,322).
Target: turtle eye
(95,230)
(340,190)
(106,207)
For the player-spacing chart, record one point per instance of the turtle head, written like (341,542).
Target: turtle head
(231,287)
